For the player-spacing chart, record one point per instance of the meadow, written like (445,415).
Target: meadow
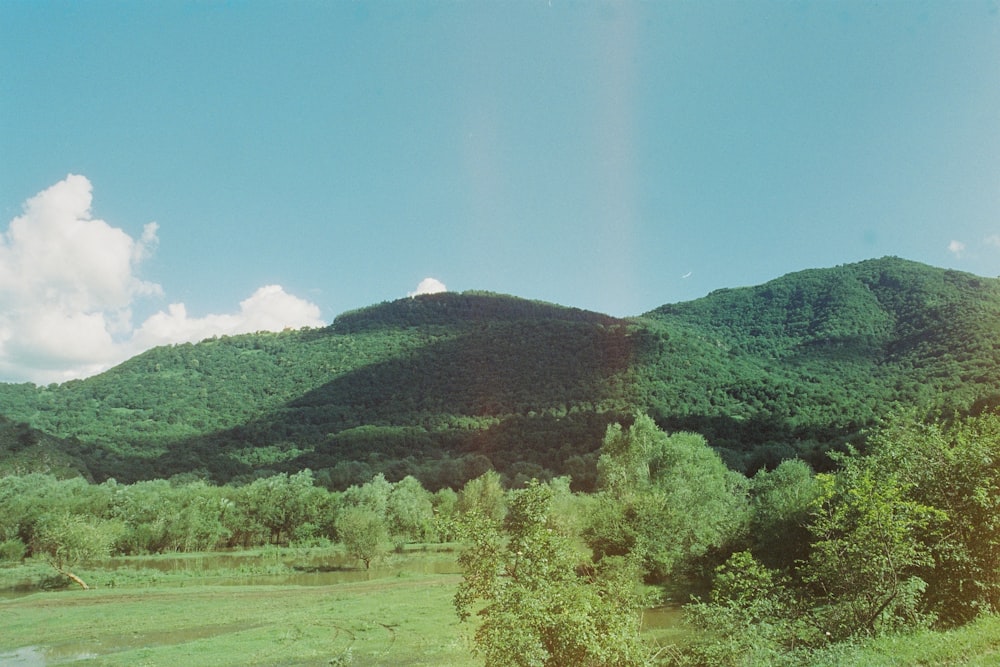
(303,606)
(221,612)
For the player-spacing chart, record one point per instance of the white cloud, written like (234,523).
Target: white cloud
(957,248)
(270,308)
(68,283)
(993,239)
(429,286)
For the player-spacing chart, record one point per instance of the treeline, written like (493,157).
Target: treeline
(160,516)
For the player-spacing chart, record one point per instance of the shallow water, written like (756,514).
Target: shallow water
(312,569)
(40,656)
(662,617)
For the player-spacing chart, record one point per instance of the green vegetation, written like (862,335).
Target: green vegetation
(808,467)
(900,541)
(539,605)
(444,387)
(398,616)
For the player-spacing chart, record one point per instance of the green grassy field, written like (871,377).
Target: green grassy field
(209,616)
(400,613)
(403,620)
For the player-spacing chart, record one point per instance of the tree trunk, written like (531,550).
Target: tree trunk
(83,584)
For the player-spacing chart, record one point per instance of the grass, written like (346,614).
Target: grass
(395,617)
(400,613)
(402,621)
(974,645)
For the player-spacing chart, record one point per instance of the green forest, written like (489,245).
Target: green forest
(444,387)
(801,466)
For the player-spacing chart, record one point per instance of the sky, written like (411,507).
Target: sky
(172,170)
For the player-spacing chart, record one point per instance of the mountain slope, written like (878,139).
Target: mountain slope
(815,355)
(444,386)
(24,450)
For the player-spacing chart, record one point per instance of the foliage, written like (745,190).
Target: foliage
(483,495)
(781,506)
(867,553)
(752,617)
(444,387)
(538,606)
(898,539)
(410,511)
(363,533)
(68,540)
(667,498)
(954,467)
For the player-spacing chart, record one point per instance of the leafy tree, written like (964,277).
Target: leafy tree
(363,533)
(410,512)
(373,495)
(483,495)
(867,552)
(539,605)
(445,508)
(67,541)
(282,503)
(954,467)
(752,616)
(668,498)
(781,506)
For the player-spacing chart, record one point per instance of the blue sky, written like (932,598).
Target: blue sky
(300,159)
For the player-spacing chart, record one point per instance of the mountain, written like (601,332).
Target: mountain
(24,450)
(791,366)
(444,386)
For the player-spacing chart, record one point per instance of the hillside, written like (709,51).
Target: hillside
(443,386)
(792,366)
(24,450)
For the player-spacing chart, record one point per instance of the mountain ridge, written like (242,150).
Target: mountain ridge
(446,385)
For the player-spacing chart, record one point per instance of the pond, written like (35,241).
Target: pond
(317,567)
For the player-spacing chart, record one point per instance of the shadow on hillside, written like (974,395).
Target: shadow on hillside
(513,392)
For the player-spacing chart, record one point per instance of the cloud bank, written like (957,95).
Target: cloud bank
(68,283)
(429,286)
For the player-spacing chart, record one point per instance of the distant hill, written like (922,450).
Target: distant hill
(24,450)
(444,386)
(800,362)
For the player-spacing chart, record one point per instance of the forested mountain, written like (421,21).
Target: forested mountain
(445,386)
(25,450)
(795,364)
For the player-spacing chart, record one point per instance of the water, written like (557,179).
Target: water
(40,656)
(317,568)
(660,618)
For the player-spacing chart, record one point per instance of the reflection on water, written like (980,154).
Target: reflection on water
(39,656)
(311,569)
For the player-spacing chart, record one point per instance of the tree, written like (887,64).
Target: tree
(483,495)
(540,605)
(752,615)
(781,506)
(668,498)
(410,512)
(955,468)
(867,552)
(363,533)
(68,540)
